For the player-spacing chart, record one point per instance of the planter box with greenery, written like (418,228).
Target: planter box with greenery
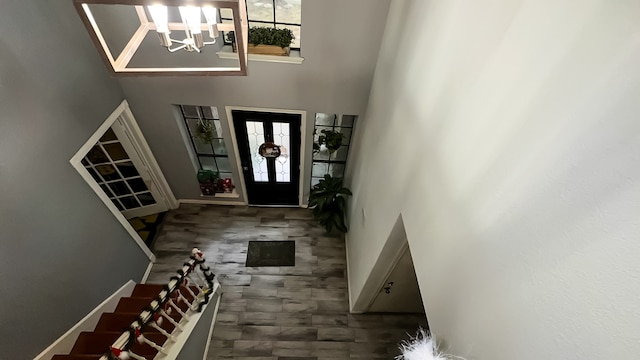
(330,200)
(266,41)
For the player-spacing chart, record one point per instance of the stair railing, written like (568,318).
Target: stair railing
(168,300)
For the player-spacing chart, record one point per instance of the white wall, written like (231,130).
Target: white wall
(340,44)
(506,133)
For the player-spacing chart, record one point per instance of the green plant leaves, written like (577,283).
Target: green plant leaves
(205,131)
(330,200)
(270,36)
(331,139)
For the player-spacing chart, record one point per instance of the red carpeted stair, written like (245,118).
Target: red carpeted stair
(92,345)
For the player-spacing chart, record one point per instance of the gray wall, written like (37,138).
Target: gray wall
(61,251)
(511,149)
(340,43)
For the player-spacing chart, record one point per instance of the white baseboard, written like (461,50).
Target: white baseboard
(64,343)
(146,273)
(346,254)
(210,202)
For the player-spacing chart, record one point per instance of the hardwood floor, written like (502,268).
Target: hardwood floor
(277,313)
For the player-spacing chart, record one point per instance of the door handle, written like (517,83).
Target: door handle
(245,168)
(387,288)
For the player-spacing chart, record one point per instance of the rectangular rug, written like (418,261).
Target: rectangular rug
(271,253)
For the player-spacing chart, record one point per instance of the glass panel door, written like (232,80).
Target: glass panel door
(269,145)
(114,165)
(283,165)
(255,135)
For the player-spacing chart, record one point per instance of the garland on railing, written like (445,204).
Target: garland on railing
(164,305)
(198,257)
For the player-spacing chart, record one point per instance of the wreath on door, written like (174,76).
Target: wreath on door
(269,150)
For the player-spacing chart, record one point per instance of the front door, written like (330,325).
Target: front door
(269,145)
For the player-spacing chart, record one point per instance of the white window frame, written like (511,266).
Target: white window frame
(124,113)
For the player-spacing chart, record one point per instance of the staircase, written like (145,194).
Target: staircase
(154,322)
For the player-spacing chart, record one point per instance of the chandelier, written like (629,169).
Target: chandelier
(191,18)
(122,31)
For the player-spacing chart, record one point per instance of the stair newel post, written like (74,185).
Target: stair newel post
(193,269)
(209,276)
(204,282)
(198,257)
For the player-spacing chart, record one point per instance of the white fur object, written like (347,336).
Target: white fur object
(422,347)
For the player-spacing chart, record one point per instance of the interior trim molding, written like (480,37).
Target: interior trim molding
(146,273)
(393,249)
(303,145)
(124,114)
(211,202)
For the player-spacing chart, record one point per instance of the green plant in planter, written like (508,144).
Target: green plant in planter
(270,36)
(329,138)
(230,36)
(330,200)
(205,131)
(207,176)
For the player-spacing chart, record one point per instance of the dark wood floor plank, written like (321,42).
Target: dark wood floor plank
(277,313)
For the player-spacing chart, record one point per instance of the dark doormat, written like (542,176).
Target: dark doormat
(271,253)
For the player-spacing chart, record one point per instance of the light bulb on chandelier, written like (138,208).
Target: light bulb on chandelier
(191,19)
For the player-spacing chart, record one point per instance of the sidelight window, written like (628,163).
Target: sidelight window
(328,158)
(205,135)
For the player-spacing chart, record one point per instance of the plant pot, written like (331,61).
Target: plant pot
(268,50)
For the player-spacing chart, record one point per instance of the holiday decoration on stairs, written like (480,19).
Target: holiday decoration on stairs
(145,323)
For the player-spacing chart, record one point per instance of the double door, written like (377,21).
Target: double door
(269,146)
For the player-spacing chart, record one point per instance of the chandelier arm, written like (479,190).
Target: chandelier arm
(176,49)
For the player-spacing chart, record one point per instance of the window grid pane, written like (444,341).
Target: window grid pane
(331,163)
(116,174)
(281,137)
(272,13)
(211,155)
(255,133)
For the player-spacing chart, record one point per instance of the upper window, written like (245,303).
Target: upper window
(272,13)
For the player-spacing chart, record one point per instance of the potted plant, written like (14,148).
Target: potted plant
(330,200)
(266,41)
(208,180)
(331,140)
(205,131)
(231,38)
